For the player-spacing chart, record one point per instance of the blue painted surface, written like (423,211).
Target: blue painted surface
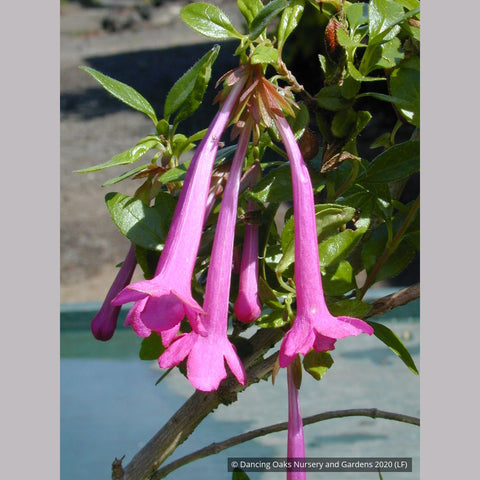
(110,405)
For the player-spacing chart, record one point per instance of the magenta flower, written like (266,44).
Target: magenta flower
(247,306)
(207,354)
(314,326)
(105,321)
(162,302)
(295,441)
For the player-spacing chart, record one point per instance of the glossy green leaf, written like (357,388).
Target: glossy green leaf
(289,20)
(163,128)
(346,41)
(143,225)
(265,16)
(383,15)
(340,281)
(337,247)
(409,4)
(405,84)
(395,163)
(317,363)
(350,307)
(249,9)
(383,55)
(188,91)
(264,54)
(127,157)
(391,340)
(208,20)
(123,92)
(357,14)
(273,319)
(151,347)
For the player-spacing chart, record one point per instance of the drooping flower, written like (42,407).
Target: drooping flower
(314,326)
(207,354)
(295,439)
(162,302)
(105,321)
(247,306)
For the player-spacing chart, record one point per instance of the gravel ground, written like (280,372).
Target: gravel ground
(149,56)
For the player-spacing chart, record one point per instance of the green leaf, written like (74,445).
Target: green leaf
(346,41)
(249,9)
(331,98)
(405,84)
(397,261)
(123,92)
(239,474)
(317,363)
(383,15)
(391,340)
(409,4)
(357,14)
(350,307)
(265,16)
(273,319)
(395,163)
(341,281)
(386,98)
(337,247)
(383,55)
(208,20)
(189,89)
(289,20)
(359,77)
(343,123)
(127,157)
(123,176)
(264,54)
(143,225)
(151,347)
(384,19)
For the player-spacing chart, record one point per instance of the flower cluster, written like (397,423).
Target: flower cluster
(160,304)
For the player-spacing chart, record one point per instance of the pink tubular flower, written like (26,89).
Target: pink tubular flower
(247,305)
(295,441)
(207,354)
(105,321)
(314,326)
(162,302)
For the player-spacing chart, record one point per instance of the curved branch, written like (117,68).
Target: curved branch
(215,448)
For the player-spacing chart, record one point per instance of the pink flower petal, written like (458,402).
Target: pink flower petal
(177,351)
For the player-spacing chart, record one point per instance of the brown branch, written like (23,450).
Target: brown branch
(147,461)
(402,297)
(215,448)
